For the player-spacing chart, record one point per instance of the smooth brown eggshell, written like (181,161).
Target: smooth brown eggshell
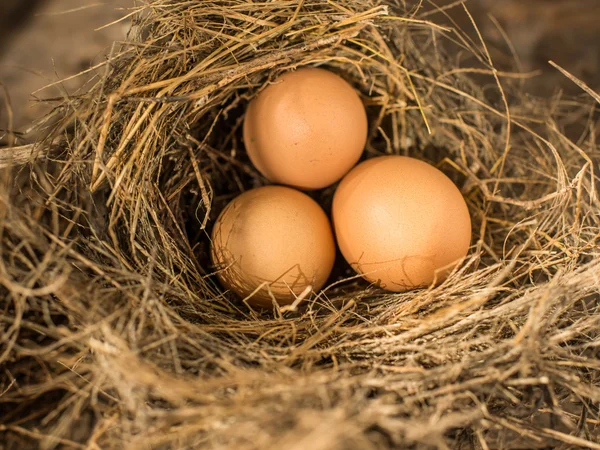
(307,129)
(273,240)
(401,222)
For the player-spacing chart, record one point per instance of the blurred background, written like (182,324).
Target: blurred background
(43,41)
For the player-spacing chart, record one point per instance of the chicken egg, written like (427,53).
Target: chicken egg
(401,222)
(270,243)
(307,129)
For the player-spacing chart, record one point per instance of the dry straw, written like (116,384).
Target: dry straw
(114,333)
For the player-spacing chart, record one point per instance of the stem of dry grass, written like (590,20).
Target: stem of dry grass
(115,334)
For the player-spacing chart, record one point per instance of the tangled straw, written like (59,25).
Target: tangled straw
(114,333)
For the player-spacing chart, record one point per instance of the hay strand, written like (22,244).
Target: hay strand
(114,332)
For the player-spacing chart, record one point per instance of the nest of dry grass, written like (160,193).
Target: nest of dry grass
(115,334)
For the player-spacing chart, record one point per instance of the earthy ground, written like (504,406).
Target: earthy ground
(58,41)
(565,32)
(61,39)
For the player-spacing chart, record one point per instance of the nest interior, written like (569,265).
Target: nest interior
(114,332)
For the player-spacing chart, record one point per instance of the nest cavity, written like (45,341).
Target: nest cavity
(114,332)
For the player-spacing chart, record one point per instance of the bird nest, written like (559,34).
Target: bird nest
(115,332)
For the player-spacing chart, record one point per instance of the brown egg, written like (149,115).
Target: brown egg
(401,222)
(273,241)
(306,130)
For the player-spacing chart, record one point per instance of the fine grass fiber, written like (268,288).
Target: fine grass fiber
(114,331)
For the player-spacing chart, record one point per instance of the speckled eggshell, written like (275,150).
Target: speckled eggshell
(401,222)
(272,242)
(306,129)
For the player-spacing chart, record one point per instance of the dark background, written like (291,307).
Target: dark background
(14,15)
(43,41)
